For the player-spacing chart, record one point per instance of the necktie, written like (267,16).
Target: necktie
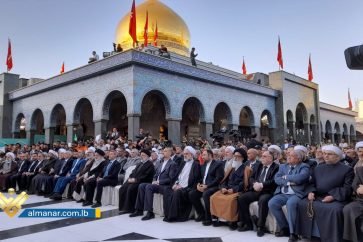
(31,166)
(75,165)
(107,169)
(64,163)
(263,174)
(286,188)
(21,166)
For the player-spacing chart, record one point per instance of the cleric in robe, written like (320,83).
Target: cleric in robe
(330,190)
(143,173)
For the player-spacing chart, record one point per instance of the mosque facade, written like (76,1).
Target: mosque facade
(170,98)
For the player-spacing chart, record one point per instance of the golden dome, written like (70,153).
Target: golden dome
(172,30)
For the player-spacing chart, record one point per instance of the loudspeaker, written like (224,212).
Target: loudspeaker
(354,57)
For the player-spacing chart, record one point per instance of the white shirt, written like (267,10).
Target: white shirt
(206,171)
(184,175)
(268,167)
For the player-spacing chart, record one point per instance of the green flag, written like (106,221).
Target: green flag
(75,137)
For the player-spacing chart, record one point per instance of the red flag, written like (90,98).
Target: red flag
(310,70)
(146,29)
(9,59)
(156,35)
(244,70)
(132,25)
(350,101)
(62,69)
(279,55)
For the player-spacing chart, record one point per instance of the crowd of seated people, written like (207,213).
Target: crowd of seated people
(321,187)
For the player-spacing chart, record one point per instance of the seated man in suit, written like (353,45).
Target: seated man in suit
(291,180)
(177,206)
(143,173)
(23,167)
(212,173)
(24,180)
(108,177)
(262,188)
(353,220)
(165,173)
(62,182)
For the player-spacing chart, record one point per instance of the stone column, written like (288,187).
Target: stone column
(332,138)
(70,133)
(293,130)
(307,135)
(348,138)
(49,135)
(257,131)
(315,135)
(100,127)
(133,125)
(174,131)
(207,130)
(30,136)
(235,126)
(16,134)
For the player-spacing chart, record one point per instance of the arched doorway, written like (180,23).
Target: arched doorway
(20,125)
(58,124)
(37,127)
(154,109)
(290,125)
(266,126)
(192,116)
(301,120)
(246,122)
(115,111)
(337,136)
(83,119)
(328,132)
(222,117)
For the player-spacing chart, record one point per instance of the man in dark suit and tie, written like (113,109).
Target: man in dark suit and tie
(22,168)
(25,179)
(262,188)
(109,177)
(163,177)
(62,182)
(212,173)
(291,179)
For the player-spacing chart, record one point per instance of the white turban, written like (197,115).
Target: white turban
(61,150)
(190,150)
(274,149)
(11,154)
(359,145)
(302,148)
(334,149)
(53,153)
(231,148)
(154,150)
(91,149)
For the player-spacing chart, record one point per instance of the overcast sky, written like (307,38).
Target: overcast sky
(45,33)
